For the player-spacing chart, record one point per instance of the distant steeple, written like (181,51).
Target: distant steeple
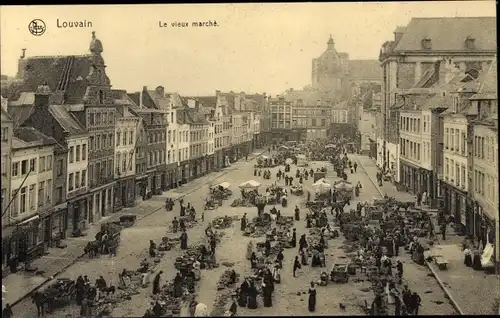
(331,44)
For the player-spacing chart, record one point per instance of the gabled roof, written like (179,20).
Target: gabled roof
(488,83)
(20,113)
(206,101)
(30,137)
(229,98)
(122,98)
(49,70)
(67,121)
(449,34)
(438,101)
(159,101)
(365,70)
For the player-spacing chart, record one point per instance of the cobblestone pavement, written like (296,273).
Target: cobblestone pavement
(134,244)
(151,224)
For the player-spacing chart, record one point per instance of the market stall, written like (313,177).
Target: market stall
(249,193)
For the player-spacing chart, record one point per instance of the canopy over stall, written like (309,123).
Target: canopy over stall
(343,185)
(224,185)
(330,146)
(283,148)
(321,186)
(250,184)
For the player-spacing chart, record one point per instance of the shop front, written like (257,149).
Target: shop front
(58,223)
(195,168)
(124,193)
(410,176)
(171,173)
(77,214)
(485,229)
(209,162)
(141,183)
(184,171)
(21,243)
(218,159)
(255,144)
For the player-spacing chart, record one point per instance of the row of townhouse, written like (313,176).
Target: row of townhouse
(439,118)
(74,150)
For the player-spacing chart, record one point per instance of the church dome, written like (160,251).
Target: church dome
(95,44)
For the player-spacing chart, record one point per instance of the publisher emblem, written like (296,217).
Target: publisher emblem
(37,27)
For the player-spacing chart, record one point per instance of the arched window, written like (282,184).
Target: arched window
(101,97)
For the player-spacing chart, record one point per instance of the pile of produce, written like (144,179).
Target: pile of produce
(223,222)
(241,202)
(227,279)
(167,243)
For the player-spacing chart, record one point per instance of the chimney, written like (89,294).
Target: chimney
(144,88)
(398,33)
(160,90)
(23,54)
(42,97)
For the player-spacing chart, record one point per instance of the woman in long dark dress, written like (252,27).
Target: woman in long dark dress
(156,283)
(252,297)
(178,285)
(312,298)
(242,294)
(267,295)
(184,239)
(243,225)
(253,260)
(293,242)
(296,266)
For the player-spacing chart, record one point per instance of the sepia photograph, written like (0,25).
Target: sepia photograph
(250,159)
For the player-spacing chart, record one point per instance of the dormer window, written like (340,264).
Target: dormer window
(469,42)
(318,102)
(426,44)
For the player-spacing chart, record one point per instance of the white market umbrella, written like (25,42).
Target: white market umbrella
(250,184)
(289,161)
(225,185)
(330,146)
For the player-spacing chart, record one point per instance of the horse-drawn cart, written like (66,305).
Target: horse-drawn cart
(57,295)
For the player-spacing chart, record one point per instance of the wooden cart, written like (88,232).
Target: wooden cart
(339,273)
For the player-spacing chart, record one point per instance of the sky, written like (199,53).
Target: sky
(255,48)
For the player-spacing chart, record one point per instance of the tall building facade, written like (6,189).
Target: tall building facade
(411,58)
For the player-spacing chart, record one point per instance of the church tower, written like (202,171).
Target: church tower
(329,69)
(99,89)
